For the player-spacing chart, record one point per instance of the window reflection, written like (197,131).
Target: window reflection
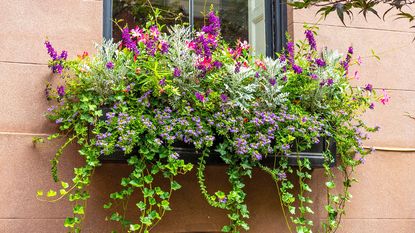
(233,14)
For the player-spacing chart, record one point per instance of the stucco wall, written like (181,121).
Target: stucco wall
(382,201)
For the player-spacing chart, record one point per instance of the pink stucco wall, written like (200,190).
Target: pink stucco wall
(383,200)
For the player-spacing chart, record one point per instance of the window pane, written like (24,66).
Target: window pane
(241,19)
(233,15)
(135,12)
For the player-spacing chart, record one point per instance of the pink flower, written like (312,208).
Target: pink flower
(136,32)
(385,98)
(359,60)
(356,75)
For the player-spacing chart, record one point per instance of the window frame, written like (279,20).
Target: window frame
(275,23)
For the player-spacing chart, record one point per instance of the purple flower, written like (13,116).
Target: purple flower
(64,55)
(372,106)
(330,82)
(162,82)
(256,75)
(214,24)
(237,67)
(320,62)
(200,96)
(282,176)
(110,65)
(61,91)
(350,50)
(272,81)
(51,51)
(290,49)
(128,42)
(297,69)
(362,160)
(58,121)
(311,41)
(285,147)
(177,72)
(224,98)
(164,47)
(217,64)
(223,200)
(314,76)
(174,155)
(369,87)
(257,155)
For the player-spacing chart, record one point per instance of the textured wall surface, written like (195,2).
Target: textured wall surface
(382,200)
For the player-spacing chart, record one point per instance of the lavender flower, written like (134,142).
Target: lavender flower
(162,82)
(369,87)
(272,81)
(297,69)
(217,64)
(311,41)
(164,47)
(214,24)
(224,98)
(110,65)
(177,72)
(320,62)
(282,176)
(61,91)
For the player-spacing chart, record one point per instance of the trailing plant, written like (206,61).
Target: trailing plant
(156,89)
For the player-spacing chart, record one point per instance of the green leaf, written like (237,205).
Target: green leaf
(340,12)
(330,184)
(175,185)
(108,205)
(78,209)
(39,193)
(141,205)
(148,179)
(51,193)
(64,185)
(134,227)
(62,191)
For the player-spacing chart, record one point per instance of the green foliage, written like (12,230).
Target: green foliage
(157,90)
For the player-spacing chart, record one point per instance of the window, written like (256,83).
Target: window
(261,22)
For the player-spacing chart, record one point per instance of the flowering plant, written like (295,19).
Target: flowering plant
(155,89)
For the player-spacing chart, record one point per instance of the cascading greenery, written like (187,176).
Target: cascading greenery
(153,90)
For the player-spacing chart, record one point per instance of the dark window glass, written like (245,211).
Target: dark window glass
(233,14)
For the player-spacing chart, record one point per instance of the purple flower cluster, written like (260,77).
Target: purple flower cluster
(205,42)
(56,63)
(320,62)
(296,68)
(128,42)
(61,91)
(177,72)
(311,40)
(346,62)
(109,65)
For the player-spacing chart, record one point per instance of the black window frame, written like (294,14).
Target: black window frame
(275,23)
